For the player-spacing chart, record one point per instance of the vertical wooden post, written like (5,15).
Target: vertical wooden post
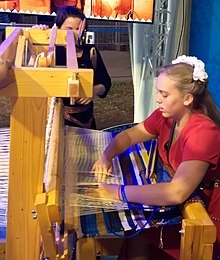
(47,233)
(2,249)
(85,248)
(28,123)
(198,233)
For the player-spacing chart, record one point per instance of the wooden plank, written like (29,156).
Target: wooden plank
(197,211)
(42,37)
(2,249)
(192,246)
(9,45)
(207,251)
(85,248)
(51,49)
(33,49)
(199,233)
(56,151)
(46,82)
(55,160)
(20,51)
(73,88)
(187,238)
(47,233)
(108,245)
(39,39)
(27,142)
(54,206)
(71,51)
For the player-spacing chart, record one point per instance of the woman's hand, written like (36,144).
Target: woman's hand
(97,90)
(102,165)
(83,100)
(40,26)
(104,191)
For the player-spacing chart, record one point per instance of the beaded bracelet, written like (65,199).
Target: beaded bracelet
(123,195)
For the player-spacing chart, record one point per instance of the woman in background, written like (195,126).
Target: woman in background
(81,114)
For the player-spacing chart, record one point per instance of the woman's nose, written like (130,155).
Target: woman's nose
(158,100)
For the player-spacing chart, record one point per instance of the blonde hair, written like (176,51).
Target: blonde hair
(182,74)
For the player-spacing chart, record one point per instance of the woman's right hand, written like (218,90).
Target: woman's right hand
(40,26)
(102,165)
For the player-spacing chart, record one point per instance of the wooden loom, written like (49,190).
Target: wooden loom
(29,89)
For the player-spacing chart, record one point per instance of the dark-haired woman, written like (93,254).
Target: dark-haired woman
(81,114)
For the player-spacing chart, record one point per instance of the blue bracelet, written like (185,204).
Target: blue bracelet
(123,196)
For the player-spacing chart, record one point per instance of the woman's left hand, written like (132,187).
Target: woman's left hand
(83,100)
(40,26)
(104,191)
(97,90)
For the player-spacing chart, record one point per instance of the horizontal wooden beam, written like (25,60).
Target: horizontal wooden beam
(196,211)
(42,37)
(46,82)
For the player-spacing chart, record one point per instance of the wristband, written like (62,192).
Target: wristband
(123,195)
(119,192)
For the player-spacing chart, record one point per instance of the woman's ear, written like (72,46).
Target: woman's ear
(188,99)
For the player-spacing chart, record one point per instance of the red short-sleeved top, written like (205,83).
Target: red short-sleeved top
(198,140)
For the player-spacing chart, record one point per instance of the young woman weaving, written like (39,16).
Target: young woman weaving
(185,103)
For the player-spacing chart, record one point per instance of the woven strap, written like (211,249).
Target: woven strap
(212,184)
(76,110)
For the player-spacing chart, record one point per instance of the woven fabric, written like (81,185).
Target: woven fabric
(139,165)
(137,169)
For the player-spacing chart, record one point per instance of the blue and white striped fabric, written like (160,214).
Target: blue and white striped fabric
(137,169)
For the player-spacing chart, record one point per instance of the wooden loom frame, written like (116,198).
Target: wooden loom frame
(29,89)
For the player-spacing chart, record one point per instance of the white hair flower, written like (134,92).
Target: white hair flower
(199,66)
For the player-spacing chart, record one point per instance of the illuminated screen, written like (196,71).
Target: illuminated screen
(123,10)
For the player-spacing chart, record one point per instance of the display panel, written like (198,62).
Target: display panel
(123,10)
